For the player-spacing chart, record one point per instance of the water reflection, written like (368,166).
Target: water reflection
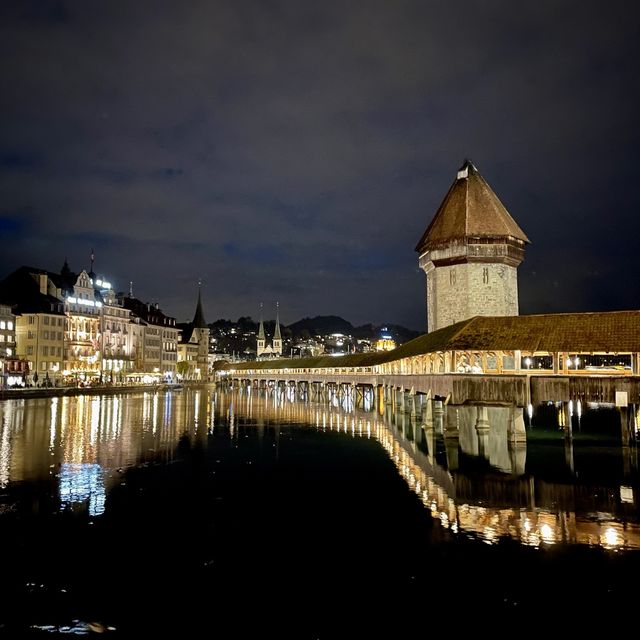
(81,443)
(494,497)
(470,466)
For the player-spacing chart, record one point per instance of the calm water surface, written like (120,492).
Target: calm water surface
(245,514)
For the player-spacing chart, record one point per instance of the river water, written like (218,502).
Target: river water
(245,513)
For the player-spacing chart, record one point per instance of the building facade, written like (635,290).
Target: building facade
(470,253)
(83,335)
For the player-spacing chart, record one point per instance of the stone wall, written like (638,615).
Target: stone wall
(461,291)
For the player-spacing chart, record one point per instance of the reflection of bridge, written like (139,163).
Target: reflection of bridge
(427,396)
(491,505)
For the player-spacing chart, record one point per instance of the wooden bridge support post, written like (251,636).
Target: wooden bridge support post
(568,415)
(482,429)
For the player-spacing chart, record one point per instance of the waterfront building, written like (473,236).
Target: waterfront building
(35,298)
(264,350)
(118,353)
(12,369)
(83,336)
(470,253)
(154,340)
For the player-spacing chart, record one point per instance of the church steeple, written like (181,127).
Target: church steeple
(261,337)
(276,333)
(198,318)
(277,338)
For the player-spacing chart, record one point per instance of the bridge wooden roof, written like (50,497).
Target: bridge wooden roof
(610,332)
(470,209)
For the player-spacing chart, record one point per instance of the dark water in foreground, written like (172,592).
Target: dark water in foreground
(227,515)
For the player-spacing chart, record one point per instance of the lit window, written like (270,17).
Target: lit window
(3,324)
(10,325)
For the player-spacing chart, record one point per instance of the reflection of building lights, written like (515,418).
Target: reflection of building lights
(611,537)
(547,533)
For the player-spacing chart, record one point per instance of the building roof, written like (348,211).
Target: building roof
(610,332)
(21,290)
(470,209)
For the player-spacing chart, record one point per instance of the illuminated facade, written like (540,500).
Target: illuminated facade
(35,298)
(11,370)
(118,356)
(154,340)
(83,336)
(385,342)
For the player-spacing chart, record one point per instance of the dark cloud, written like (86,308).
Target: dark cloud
(296,150)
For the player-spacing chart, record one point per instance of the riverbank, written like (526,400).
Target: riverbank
(54,392)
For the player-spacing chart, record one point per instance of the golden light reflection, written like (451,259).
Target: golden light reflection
(436,487)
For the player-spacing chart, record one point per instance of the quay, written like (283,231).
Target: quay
(97,390)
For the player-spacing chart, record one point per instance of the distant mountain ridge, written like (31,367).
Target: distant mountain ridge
(324,325)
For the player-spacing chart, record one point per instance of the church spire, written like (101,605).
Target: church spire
(276,333)
(198,318)
(261,329)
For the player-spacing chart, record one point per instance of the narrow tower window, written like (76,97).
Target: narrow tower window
(452,276)
(485,275)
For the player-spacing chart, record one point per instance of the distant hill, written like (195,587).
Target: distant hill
(322,325)
(318,326)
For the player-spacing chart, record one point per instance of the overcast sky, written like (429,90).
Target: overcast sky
(297,150)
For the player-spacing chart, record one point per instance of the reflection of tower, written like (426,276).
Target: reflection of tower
(470,253)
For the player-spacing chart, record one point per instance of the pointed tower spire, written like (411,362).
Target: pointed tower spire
(198,318)
(260,341)
(276,333)
(277,338)
(261,329)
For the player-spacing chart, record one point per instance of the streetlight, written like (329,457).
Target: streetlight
(527,361)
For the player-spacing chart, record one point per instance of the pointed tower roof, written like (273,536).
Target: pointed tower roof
(276,333)
(470,209)
(261,329)
(198,318)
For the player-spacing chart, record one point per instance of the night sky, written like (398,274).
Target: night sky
(296,151)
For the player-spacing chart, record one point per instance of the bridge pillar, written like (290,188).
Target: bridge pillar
(568,415)
(451,423)
(482,429)
(516,431)
(412,405)
(568,454)
(518,457)
(451,449)
(438,416)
